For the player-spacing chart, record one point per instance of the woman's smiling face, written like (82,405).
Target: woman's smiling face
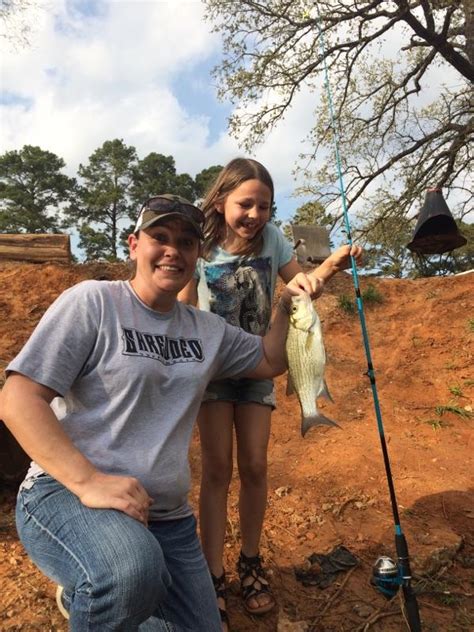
(166,256)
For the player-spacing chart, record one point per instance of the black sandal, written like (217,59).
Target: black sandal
(250,568)
(221,593)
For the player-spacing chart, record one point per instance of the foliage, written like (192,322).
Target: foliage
(35,197)
(437,424)
(456,390)
(154,174)
(397,135)
(96,244)
(385,244)
(346,304)
(371,295)
(310,213)
(453,408)
(32,188)
(103,198)
(205,179)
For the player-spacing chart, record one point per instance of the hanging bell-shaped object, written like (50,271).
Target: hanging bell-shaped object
(435,231)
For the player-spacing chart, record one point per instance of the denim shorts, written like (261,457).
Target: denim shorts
(243,391)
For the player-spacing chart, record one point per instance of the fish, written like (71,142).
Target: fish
(306,361)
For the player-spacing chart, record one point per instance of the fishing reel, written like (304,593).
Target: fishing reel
(386,576)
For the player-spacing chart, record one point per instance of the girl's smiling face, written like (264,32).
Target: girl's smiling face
(166,256)
(246,210)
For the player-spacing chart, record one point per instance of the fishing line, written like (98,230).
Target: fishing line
(387,584)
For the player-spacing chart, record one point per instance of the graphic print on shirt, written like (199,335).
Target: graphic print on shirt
(240,292)
(165,349)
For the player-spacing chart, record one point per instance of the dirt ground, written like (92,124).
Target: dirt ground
(329,488)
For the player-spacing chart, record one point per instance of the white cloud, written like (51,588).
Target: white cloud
(96,71)
(93,78)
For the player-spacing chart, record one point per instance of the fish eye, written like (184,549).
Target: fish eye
(293,308)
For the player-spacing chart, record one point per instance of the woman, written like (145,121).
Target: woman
(103,510)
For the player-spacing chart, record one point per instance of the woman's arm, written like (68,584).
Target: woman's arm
(274,360)
(25,409)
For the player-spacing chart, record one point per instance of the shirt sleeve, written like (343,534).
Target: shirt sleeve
(58,349)
(240,352)
(284,248)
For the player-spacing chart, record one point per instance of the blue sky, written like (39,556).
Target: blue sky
(137,70)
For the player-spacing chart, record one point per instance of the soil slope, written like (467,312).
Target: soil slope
(329,488)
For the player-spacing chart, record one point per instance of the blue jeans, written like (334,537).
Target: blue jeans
(117,574)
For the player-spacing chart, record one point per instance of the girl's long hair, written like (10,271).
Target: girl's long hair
(232,175)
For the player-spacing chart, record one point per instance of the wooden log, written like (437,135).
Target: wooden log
(35,248)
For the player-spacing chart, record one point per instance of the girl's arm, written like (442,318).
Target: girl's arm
(337,261)
(189,293)
(25,409)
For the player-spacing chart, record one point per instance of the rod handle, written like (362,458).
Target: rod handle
(411,607)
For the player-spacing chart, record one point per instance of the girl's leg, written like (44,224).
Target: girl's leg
(215,422)
(252,425)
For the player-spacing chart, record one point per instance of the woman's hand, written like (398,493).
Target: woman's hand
(300,284)
(124,493)
(309,283)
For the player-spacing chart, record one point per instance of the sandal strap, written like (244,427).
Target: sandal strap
(221,593)
(251,568)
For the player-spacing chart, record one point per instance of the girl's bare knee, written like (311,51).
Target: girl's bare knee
(217,474)
(254,473)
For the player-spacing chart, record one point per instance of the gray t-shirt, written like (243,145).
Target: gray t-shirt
(133,380)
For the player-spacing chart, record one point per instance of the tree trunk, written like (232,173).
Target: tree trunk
(35,248)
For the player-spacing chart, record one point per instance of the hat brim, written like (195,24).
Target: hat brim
(158,219)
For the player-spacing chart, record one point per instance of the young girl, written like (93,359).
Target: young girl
(235,277)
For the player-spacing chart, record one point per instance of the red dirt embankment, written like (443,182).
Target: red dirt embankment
(330,487)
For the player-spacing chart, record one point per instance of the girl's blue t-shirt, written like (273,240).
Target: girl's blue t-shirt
(240,289)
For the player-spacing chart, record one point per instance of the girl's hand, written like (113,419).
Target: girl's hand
(340,259)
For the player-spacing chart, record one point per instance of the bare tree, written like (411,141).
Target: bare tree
(396,137)
(16,18)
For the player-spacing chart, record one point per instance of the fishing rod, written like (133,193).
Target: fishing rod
(388,575)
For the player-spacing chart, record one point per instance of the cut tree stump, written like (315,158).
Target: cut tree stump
(35,248)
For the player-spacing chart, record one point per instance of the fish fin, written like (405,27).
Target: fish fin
(325,392)
(290,389)
(317,420)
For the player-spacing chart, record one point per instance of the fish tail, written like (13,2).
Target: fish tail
(316,420)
